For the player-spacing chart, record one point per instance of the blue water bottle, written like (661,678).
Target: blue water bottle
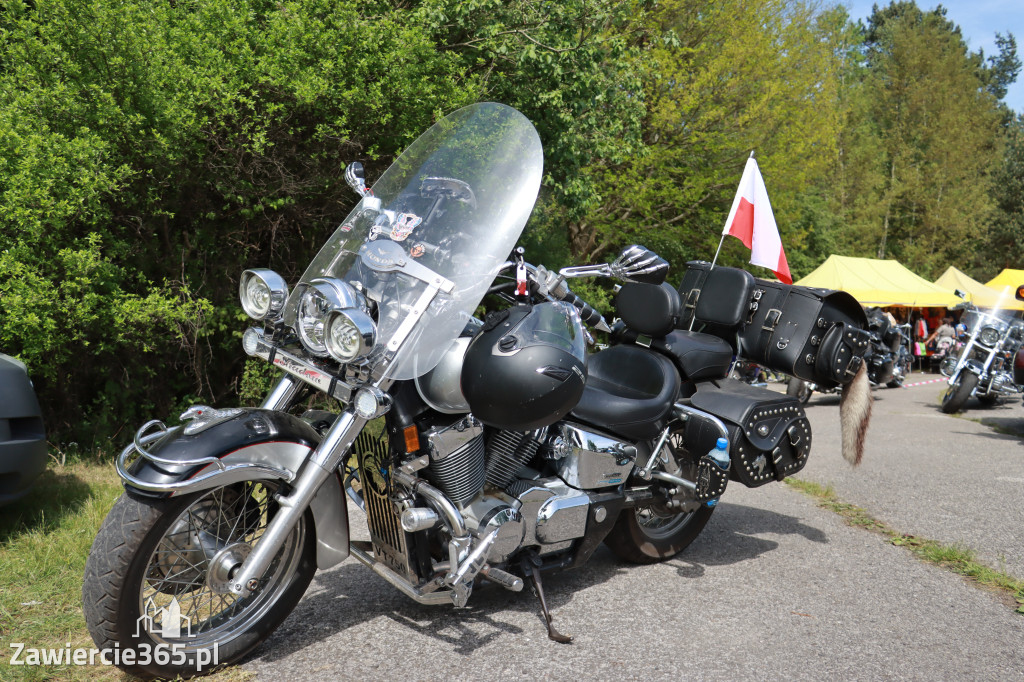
(719,457)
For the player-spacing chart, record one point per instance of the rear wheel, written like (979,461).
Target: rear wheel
(959,391)
(799,389)
(156,579)
(651,534)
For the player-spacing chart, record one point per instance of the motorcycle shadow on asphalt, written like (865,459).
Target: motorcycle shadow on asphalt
(351,595)
(1001,427)
(731,537)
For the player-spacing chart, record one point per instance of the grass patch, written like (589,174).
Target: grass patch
(44,541)
(960,560)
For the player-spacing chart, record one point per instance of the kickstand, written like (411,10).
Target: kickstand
(530,568)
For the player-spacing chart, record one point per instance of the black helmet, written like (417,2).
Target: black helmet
(527,366)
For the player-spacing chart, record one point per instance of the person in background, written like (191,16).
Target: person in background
(941,340)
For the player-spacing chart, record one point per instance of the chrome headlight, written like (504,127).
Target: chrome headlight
(948,365)
(989,336)
(262,292)
(351,334)
(321,297)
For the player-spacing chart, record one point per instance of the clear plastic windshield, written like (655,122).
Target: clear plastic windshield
(426,245)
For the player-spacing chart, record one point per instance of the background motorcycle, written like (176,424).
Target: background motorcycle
(888,359)
(985,364)
(489,449)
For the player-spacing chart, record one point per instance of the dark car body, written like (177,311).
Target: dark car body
(22,436)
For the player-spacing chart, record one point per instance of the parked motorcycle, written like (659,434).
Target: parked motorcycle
(986,364)
(480,450)
(888,359)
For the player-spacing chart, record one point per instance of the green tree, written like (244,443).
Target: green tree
(938,125)
(1005,246)
(719,81)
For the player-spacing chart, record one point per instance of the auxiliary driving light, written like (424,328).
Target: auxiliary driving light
(262,292)
(351,334)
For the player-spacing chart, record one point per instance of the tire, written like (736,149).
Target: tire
(799,389)
(152,553)
(957,394)
(650,535)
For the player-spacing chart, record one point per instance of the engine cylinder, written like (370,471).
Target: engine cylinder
(459,475)
(507,451)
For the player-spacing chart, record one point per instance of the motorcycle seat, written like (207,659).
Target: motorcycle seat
(700,356)
(629,391)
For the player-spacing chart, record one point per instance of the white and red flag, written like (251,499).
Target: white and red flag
(752,222)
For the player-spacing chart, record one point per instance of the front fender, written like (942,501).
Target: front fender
(254,445)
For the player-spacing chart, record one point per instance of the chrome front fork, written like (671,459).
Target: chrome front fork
(322,463)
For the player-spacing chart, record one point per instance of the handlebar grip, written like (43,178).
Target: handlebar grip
(587,312)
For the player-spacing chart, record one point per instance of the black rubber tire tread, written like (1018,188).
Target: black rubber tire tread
(107,588)
(797,388)
(957,394)
(628,541)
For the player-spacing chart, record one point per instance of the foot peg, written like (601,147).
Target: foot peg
(530,568)
(503,578)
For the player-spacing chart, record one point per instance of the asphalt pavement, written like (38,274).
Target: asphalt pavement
(775,588)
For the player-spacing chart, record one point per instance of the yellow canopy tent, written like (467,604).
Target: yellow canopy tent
(1008,277)
(979,294)
(879,282)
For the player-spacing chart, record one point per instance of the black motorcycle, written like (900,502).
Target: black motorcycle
(493,449)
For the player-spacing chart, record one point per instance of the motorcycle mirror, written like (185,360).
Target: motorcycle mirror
(1020,293)
(961,294)
(639,264)
(356,178)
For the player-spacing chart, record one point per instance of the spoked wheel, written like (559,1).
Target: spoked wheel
(651,534)
(959,391)
(799,389)
(158,573)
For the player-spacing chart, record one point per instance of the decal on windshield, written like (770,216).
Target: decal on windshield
(405,223)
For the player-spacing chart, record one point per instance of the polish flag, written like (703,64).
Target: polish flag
(752,222)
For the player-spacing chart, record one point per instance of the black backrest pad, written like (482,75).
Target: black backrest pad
(650,309)
(718,295)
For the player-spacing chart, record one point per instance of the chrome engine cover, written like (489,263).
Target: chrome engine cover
(589,459)
(553,513)
(499,512)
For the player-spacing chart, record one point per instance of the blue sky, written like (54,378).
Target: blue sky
(979,20)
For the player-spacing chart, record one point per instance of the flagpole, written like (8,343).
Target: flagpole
(722,240)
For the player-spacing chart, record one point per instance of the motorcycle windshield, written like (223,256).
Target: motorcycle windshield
(426,243)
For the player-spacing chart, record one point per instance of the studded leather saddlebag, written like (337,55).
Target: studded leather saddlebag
(769,434)
(817,335)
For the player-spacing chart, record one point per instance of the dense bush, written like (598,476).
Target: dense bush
(150,151)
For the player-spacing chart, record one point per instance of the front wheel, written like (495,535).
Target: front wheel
(156,579)
(651,534)
(959,391)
